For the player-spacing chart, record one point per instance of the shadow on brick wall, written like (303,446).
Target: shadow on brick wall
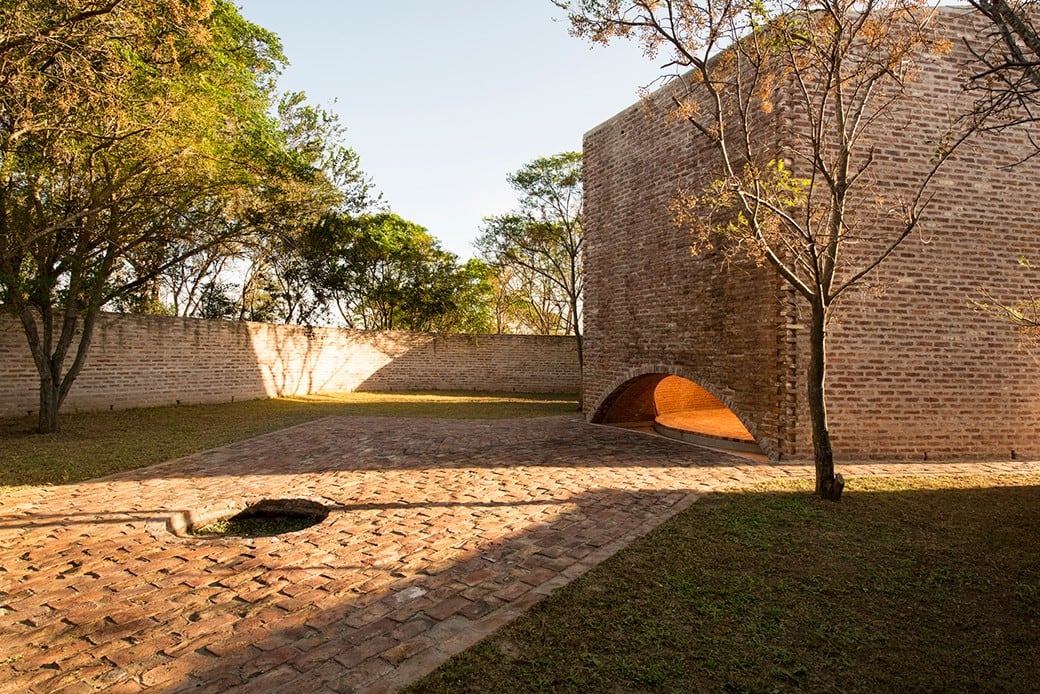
(508,363)
(140,361)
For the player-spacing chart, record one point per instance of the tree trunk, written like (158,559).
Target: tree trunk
(49,355)
(828,485)
(50,402)
(581,370)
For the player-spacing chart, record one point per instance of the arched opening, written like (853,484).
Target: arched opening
(678,408)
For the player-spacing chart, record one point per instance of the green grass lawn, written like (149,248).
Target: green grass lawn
(94,444)
(928,584)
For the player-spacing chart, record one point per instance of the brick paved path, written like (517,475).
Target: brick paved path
(439,533)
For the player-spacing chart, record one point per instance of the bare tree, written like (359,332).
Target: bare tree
(1006,83)
(1007,78)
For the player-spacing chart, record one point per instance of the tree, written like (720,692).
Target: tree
(1008,77)
(382,272)
(829,73)
(1007,85)
(215,301)
(326,178)
(536,250)
(1023,314)
(189,285)
(130,134)
(318,174)
(527,303)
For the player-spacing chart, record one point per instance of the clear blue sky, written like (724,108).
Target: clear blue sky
(443,99)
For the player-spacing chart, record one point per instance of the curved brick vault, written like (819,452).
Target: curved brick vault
(914,371)
(673,405)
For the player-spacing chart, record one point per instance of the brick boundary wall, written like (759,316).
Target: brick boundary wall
(139,361)
(915,372)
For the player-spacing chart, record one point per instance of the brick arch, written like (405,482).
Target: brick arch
(634,397)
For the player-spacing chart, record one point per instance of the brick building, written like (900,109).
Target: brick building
(914,370)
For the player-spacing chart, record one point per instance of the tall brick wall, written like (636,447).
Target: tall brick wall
(651,306)
(914,370)
(152,360)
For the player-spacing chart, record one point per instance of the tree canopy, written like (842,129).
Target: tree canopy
(1006,83)
(133,136)
(382,272)
(536,250)
(1007,77)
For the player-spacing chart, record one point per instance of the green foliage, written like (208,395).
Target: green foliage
(259,522)
(132,136)
(318,139)
(216,302)
(309,172)
(535,251)
(385,273)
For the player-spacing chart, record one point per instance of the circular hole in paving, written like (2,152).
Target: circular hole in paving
(262,519)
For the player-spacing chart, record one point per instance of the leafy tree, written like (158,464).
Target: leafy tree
(382,272)
(131,134)
(215,301)
(461,297)
(317,174)
(536,250)
(188,285)
(805,204)
(526,303)
(328,179)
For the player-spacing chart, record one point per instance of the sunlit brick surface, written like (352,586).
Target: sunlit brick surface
(439,533)
(915,371)
(140,361)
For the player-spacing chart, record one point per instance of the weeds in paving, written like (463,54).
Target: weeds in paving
(256,526)
(265,518)
(926,584)
(94,444)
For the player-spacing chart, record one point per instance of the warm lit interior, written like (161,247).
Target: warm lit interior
(676,407)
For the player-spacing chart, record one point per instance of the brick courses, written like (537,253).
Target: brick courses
(915,372)
(138,361)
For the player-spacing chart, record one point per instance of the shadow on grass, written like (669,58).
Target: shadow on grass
(890,590)
(904,585)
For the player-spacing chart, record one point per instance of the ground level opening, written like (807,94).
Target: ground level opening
(264,518)
(678,408)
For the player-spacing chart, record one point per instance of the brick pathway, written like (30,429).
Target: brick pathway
(439,533)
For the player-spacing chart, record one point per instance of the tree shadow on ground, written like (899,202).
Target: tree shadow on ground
(379,590)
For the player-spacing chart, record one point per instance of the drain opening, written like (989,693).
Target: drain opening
(264,519)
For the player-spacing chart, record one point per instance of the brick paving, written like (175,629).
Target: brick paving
(439,533)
